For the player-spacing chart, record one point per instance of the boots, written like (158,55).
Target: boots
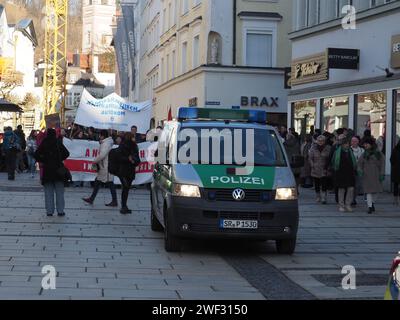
(324,198)
(318,200)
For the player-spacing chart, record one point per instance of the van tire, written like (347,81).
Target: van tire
(154,223)
(171,243)
(287,246)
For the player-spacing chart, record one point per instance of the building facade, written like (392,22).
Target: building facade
(346,68)
(97,20)
(223,54)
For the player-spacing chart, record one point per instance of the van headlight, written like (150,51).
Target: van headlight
(286,194)
(186,190)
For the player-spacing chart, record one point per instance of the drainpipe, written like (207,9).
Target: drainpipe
(234,31)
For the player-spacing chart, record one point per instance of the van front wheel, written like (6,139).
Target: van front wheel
(171,243)
(287,246)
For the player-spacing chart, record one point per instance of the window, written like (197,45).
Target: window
(168,70)
(165,27)
(196,42)
(304,116)
(259,50)
(162,71)
(335,113)
(371,113)
(185,6)
(88,38)
(173,64)
(184,57)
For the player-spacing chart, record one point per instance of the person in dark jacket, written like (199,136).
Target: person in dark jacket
(129,160)
(51,153)
(344,165)
(20,166)
(395,174)
(11,146)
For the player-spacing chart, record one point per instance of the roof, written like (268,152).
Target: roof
(27,27)
(6,106)
(89,80)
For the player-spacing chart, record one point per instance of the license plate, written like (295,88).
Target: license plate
(238,224)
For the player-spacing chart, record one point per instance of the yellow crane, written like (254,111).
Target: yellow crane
(54,82)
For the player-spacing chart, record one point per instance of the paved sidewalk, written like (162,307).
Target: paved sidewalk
(99,253)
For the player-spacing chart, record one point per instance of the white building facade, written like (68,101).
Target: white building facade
(97,21)
(346,75)
(226,54)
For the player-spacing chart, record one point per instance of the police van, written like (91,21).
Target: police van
(223,173)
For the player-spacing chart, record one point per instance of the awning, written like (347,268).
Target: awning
(6,106)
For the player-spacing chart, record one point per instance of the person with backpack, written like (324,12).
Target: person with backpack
(124,162)
(103,174)
(11,146)
(31,147)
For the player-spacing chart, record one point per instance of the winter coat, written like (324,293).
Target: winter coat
(31,146)
(319,161)
(395,162)
(292,147)
(102,160)
(21,136)
(11,141)
(305,150)
(51,153)
(127,168)
(372,168)
(344,165)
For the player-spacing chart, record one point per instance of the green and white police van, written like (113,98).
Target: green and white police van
(202,188)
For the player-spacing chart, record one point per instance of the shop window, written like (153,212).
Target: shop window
(335,113)
(304,116)
(397,125)
(371,114)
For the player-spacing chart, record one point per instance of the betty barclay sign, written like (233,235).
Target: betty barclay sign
(310,69)
(113,112)
(395,61)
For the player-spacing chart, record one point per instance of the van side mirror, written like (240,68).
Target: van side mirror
(297,162)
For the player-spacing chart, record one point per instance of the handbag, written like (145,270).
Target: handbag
(63,172)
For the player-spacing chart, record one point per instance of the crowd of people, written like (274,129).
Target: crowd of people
(45,150)
(343,162)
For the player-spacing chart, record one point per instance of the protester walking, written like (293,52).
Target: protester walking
(344,167)
(31,147)
(395,174)
(305,173)
(292,147)
(103,176)
(128,159)
(11,146)
(372,168)
(358,152)
(51,153)
(20,166)
(319,160)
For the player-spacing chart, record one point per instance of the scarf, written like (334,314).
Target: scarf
(372,152)
(338,155)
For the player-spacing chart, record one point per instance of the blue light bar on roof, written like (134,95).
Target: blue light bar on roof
(190,113)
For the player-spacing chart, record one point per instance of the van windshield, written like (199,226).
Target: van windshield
(230,146)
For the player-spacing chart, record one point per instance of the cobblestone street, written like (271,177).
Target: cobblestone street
(100,254)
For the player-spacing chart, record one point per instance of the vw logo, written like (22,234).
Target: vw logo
(238,194)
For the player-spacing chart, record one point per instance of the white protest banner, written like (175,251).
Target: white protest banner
(83,153)
(113,112)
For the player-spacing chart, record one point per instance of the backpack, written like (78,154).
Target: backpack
(114,159)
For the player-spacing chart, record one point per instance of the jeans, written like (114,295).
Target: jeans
(126,186)
(31,163)
(321,183)
(10,158)
(96,187)
(49,189)
(345,196)
(19,161)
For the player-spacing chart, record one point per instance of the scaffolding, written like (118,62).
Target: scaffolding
(54,82)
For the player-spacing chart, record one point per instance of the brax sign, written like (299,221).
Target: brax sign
(343,58)
(259,102)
